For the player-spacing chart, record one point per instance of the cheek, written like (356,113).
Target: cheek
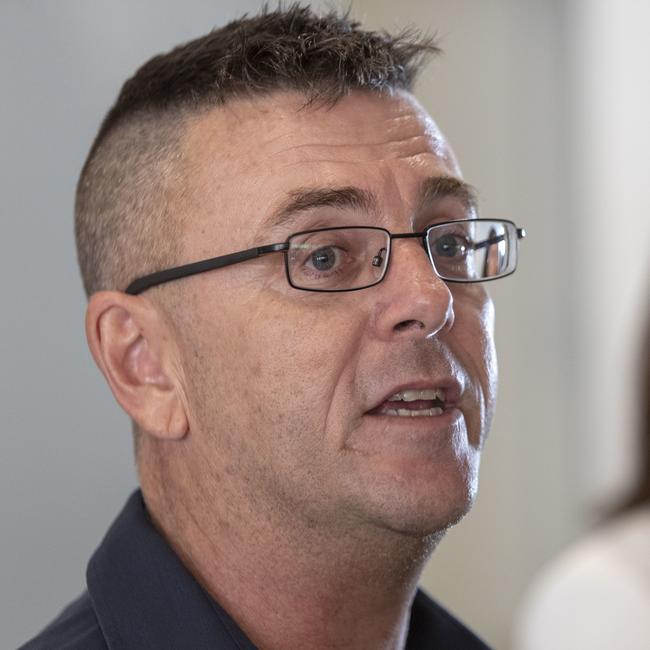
(280,365)
(293,361)
(476,351)
(489,351)
(474,322)
(300,355)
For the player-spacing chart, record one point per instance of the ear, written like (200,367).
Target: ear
(135,350)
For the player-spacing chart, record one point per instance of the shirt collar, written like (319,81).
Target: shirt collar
(145,598)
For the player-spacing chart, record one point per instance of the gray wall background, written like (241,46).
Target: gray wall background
(515,93)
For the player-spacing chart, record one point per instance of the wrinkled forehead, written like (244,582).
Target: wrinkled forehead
(247,158)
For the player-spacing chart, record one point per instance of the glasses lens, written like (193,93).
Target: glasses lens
(471,251)
(337,259)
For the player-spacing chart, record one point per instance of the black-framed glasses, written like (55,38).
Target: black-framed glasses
(349,258)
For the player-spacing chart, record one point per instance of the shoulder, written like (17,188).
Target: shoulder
(432,626)
(76,628)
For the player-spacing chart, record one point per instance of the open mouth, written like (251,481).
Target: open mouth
(413,403)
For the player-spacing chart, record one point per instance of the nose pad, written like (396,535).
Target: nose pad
(378,259)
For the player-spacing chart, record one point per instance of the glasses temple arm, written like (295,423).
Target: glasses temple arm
(521,233)
(148,281)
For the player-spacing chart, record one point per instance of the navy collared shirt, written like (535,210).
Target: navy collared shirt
(141,597)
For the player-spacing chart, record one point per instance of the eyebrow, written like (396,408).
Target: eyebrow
(301,200)
(435,188)
(304,199)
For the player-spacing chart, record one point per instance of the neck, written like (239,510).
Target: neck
(290,585)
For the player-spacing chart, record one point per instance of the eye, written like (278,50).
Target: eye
(324,259)
(450,246)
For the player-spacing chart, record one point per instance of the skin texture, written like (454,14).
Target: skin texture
(309,519)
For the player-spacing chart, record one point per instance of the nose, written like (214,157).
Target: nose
(414,302)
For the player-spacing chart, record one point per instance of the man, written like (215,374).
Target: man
(284,274)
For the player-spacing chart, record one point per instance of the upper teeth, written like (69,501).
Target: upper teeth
(413,395)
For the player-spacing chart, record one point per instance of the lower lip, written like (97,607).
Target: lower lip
(422,437)
(423,424)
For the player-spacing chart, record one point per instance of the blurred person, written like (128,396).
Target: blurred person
(284,270)
(596,594)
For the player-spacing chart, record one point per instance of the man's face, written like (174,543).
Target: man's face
(287,389)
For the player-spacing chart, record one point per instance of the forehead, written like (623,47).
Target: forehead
(248,157)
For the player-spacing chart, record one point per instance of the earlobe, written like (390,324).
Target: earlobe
(129,340)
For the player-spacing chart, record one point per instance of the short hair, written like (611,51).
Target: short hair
(126,223)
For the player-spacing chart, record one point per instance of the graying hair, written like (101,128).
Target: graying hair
(126,203)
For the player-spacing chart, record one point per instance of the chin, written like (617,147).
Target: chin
(424,504)
(427,519)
